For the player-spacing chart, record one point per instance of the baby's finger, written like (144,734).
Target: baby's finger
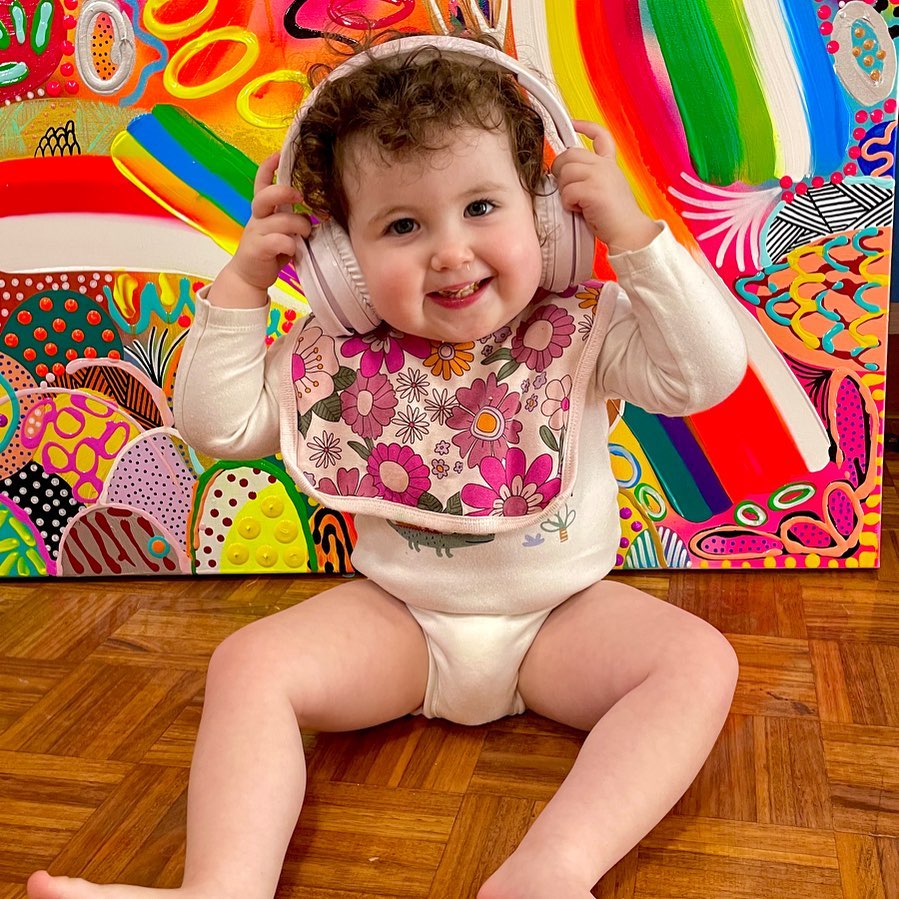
(277,246)
(603,142)
(266,172)
(284,223)
(270,198)
(575,171)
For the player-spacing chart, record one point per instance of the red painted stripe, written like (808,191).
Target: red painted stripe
(747,442)
(48,184)
(624,84)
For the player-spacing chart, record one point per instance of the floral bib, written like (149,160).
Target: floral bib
(460,437)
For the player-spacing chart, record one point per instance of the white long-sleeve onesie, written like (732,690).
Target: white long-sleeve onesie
(673,346)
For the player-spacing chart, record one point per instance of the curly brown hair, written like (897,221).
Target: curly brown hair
(405,107)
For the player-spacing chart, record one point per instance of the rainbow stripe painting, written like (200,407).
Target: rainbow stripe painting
(762,131)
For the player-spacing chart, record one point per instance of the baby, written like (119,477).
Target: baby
(468,434)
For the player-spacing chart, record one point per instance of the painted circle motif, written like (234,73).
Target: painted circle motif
(54,327)
(636,472)
(864,56)
(104,46)
(751,514)
(652,502)
(790,496)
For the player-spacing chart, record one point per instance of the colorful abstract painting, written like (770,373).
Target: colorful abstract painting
(762,131)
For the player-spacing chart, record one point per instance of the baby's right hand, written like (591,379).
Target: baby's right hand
(268,242)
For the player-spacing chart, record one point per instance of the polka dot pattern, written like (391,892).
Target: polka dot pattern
(47,500)
(151,475)
(54,327)
(101,47)
(248,522)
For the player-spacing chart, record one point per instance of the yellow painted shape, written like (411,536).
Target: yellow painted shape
(80,443)
(267,533)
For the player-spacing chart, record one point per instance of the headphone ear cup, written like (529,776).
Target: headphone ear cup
(333,282)
(566,240)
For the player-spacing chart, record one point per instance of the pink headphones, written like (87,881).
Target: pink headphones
(328,271)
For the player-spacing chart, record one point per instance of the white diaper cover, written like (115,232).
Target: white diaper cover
(474,662)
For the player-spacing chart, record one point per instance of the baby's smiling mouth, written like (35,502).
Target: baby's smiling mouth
(462,292)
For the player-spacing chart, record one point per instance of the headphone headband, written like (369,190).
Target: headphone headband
(548,106)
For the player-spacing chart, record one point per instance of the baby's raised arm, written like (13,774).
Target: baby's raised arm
(674,344)
(226,391)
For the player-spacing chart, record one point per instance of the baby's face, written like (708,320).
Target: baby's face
(446,240)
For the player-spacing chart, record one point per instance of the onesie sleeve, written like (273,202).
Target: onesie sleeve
(674,345)
(226,386)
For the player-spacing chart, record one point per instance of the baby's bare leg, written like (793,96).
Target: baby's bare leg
(349,658)
(653,684)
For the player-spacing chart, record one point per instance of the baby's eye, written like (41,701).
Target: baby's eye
(401,227)
(478,208)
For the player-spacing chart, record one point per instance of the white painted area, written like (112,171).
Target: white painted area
(782,84)
(75,241)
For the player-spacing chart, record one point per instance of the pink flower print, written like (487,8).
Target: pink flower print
(313,367)
(368,405)
(349,484)
(531,404)
(512,487)
(383,346)
(542,337)
(555,406)
(399,474)
(440,467)
(485,419)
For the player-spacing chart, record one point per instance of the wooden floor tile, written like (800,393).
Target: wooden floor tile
(704,858)
(862,768)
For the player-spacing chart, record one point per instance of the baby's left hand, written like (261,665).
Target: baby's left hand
(592,184)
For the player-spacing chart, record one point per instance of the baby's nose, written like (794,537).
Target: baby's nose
(451,254)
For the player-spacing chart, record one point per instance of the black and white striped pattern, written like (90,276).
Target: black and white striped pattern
(827,210)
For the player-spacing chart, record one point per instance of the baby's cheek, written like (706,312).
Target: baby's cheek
(525,258)
(392,298)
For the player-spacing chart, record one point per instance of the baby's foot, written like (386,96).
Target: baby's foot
(42,886)
(520,877)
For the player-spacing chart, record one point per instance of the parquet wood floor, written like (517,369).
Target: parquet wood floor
(101,686)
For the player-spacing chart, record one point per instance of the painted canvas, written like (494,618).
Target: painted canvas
(762,131)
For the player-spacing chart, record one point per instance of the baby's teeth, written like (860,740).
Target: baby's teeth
(464,292)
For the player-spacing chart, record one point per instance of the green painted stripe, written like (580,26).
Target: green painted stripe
(673,474)
(703,86)
(756,127)
(204,145)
